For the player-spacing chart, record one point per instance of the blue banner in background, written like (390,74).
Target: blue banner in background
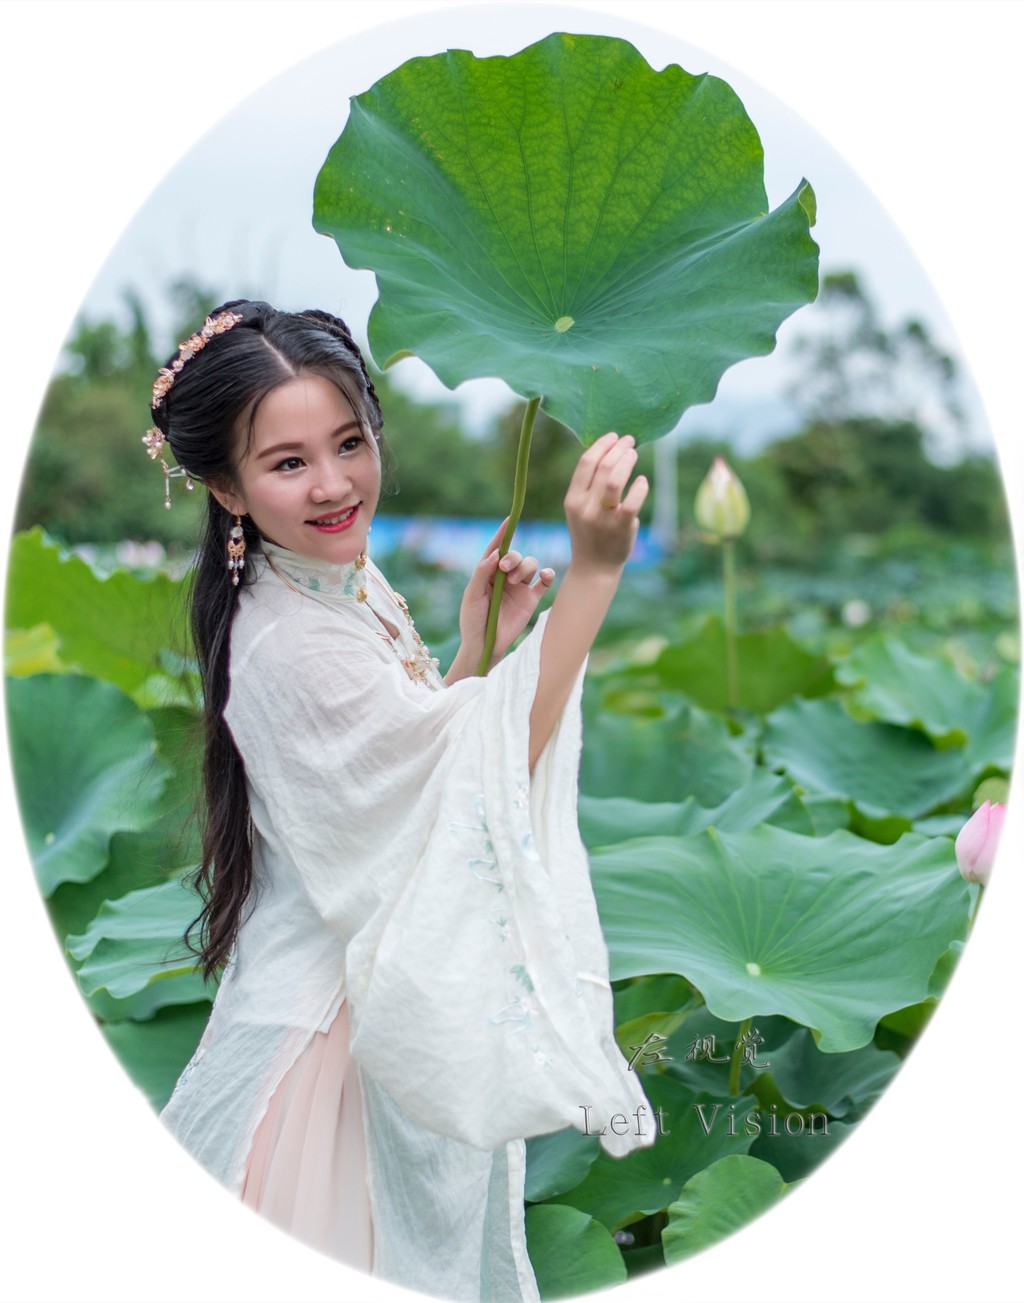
(458,544)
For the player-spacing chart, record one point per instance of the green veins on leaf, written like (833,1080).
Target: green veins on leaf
(570,221)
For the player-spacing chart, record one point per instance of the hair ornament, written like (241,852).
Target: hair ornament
(154,440)
(196,343)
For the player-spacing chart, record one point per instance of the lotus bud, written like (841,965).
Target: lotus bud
(978,841)
(722,507)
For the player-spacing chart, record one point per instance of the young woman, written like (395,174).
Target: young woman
(413,976)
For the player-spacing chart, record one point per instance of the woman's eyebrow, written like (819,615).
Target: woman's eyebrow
(288,447)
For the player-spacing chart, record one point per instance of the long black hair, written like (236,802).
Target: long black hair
(204,414)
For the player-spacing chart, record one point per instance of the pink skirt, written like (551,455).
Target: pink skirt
(307,1167)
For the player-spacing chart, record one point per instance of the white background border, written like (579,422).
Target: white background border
(921,101)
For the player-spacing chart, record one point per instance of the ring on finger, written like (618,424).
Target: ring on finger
(608,506)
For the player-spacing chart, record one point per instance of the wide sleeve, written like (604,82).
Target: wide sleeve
(476,971)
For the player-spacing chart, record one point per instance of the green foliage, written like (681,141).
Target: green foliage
(772,668)
(763,798)
(837,1084)
(523,214)
(713,847)
(133,952)
(883,769)
(685,753)
(573,1253)
(853,366)
(868,476)
(154,1052)
(107,785)
(85,767)
(767,921)
(118,629)
(718,1201)
(87,478)
(621,1191)
(710,831)
(557,1162)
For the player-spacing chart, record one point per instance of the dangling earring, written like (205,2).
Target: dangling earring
(236,549)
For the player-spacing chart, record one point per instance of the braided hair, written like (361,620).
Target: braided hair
(206,415)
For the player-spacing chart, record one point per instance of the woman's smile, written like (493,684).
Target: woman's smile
(340,520)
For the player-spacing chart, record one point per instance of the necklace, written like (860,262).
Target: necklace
(332,585)
(420,666)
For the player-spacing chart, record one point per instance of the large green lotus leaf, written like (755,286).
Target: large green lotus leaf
(153,1053)
(694,1133)
(764,798)
(570,221)
(137,860)
(840,1084)
(85,766)
(993,729)
(166,848)
(570,1252)
(895,684)
(770,668)
(132,953)
(557,1161)
(717,1202)
(908,1023)
(686,754)
(884,769)
(833,932)
(114,629)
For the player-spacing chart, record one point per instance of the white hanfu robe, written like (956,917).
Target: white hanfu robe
(409,863)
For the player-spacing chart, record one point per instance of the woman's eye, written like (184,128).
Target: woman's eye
(289,464)
(352,442)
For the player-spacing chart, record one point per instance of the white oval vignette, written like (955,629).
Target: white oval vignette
(100,1205)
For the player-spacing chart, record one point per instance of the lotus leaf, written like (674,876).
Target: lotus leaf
(618,1190)
(133,951)
(764,798)
(114,628)
(833,932)
(718,1201)
(886,770)
(771,668)
(571,221)
(570,1252)
(154,1052)
(85,766)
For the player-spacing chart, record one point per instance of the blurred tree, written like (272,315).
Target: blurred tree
(851,367)
(432,467)
(86,477)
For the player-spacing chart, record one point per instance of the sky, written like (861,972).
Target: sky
(100,100)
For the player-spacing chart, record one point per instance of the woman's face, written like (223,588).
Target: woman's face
(310,477)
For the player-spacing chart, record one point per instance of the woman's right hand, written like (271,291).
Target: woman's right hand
(602,524)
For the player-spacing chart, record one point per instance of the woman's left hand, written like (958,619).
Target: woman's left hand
(519,600)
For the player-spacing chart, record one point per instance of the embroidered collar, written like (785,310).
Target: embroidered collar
(327,577)
(327,582)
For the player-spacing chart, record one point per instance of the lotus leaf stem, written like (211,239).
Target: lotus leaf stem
(518,499)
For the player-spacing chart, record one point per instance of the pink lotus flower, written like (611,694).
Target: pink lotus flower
(978,842)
